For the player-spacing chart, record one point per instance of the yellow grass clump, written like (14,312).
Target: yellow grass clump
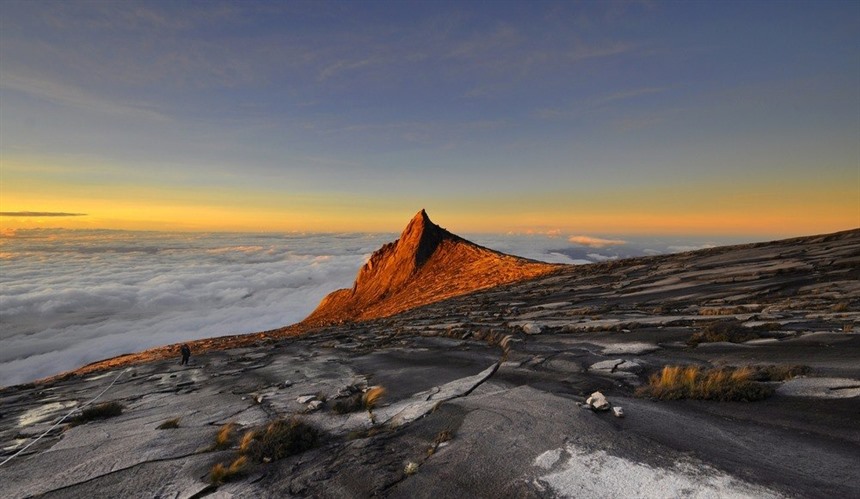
(221,474)
(224,437)
(279,439)
(104,410)
(691,382)
(247,441)
(371,397)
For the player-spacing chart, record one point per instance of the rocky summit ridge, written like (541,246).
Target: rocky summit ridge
(425,265)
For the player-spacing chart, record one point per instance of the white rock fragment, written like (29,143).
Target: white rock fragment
(314,405)
(618,412)
(304,399)
(260,399)
(532,328)
(597,401)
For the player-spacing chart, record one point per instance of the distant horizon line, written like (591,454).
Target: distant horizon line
(526,232)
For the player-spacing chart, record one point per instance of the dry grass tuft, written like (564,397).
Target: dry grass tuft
(169,424)
(247,441)
(442,437)
(218,474)
(371,397)
(104,410)
(779,373)
(224,437)
(410,469)
(349,403)
(840,307)
(691,382)
(353,403)
(280,439)
(222,474)
(359,401)
(729,330)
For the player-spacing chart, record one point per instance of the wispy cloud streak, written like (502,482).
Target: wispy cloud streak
(70,95)
(39,214)
(595,242)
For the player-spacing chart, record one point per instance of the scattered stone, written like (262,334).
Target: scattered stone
(304,399)
(618,412)
(597,402)
(260,399)
(532,328)
(314,405)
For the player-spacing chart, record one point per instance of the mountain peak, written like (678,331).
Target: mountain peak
(420,238)
(426,264)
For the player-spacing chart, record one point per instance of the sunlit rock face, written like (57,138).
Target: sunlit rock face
(425,265)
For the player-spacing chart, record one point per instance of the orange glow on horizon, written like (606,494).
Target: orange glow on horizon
(757,210)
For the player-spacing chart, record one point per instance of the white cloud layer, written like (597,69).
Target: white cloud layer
(72,297)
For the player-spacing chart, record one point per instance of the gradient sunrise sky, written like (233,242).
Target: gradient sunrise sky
(695,118)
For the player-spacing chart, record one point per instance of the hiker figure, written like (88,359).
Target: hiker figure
(186,353)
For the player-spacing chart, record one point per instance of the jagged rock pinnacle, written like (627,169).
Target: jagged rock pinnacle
(426,264)
(421,237)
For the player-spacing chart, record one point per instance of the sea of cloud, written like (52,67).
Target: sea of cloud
(69,297)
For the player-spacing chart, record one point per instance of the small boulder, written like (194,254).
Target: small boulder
(618,412)
(304,399)
(532,328)
(314,405)
(597,401)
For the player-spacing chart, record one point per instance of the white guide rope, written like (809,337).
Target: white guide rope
(64,417)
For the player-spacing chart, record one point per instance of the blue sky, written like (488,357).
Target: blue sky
(502,116)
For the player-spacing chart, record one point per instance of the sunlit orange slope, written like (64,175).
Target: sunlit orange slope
(427,264)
